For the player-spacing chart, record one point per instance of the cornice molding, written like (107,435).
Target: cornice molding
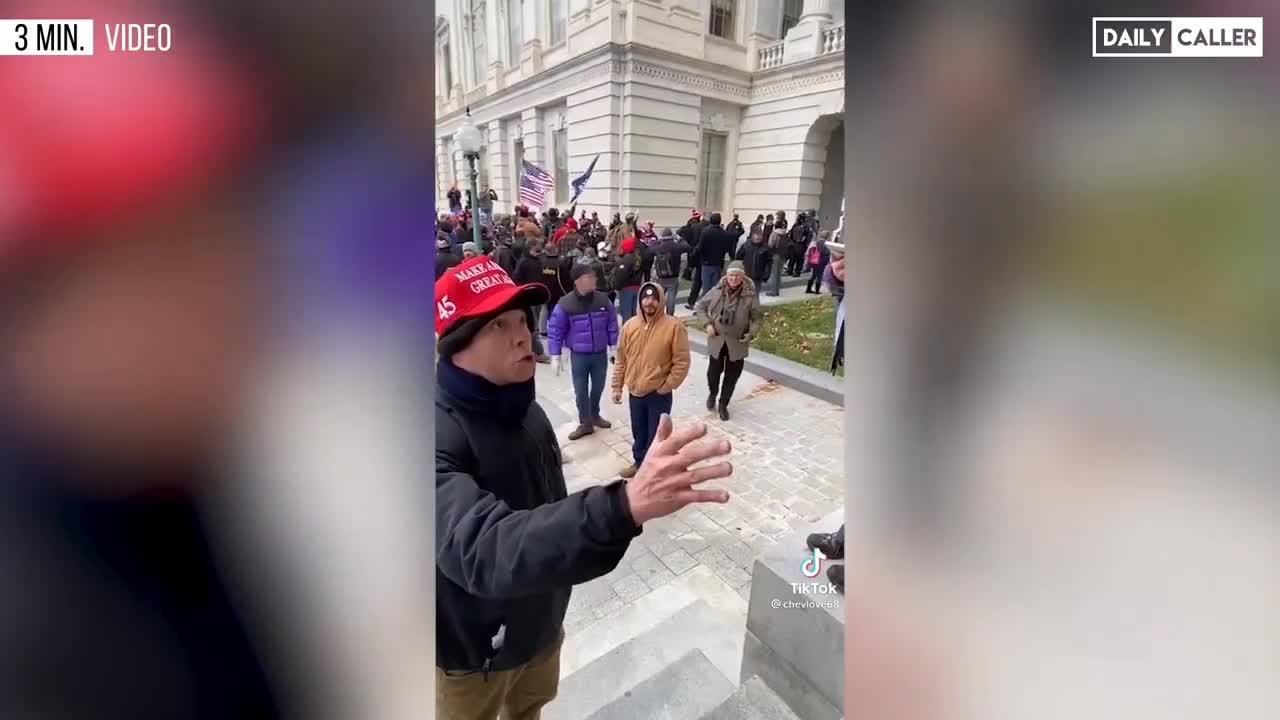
(623,63)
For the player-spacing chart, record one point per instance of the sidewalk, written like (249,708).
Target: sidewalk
(788,460)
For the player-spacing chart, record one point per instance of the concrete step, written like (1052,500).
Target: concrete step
(752,701)
(685,690)
(696,626)
(795,638)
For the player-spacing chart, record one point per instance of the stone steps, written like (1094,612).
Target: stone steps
(687,689)
(695,627)
(754,700)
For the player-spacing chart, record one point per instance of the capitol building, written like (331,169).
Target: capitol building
(722,105)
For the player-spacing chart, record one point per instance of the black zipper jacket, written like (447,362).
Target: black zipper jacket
(510,542)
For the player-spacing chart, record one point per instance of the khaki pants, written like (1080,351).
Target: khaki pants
(518,694)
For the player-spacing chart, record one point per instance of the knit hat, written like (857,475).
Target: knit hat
(736,267)
(470,247)
(582,268)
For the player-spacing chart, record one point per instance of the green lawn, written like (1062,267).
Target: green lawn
(800,331)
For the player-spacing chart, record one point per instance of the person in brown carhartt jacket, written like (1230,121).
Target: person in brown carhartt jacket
(653,359)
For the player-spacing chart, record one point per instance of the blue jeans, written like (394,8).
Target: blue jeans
(588,370)
(645,413)
(671,286)
(627,303)
(710,276)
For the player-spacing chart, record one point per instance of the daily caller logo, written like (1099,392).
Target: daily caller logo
(1177,37)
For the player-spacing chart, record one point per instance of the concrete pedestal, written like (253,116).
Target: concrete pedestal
(795,632)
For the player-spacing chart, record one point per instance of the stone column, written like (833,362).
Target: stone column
(499,167)
(444,172)
(805,39)
(494,11)
(532,134)
(531,56)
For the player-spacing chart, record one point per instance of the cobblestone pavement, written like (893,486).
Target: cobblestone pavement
(787,456)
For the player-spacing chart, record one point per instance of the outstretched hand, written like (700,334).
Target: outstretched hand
(665,482)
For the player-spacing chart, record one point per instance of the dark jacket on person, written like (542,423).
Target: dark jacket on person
(528,269)
(510,542)
(628,270)
(671,248)
(445,259)
(693,234)
(756,259)
(555,276)
(717,244)
(115,607)
(506,259)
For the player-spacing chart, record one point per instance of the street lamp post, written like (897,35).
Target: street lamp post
(469,142)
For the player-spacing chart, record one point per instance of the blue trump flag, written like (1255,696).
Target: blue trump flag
(580,184)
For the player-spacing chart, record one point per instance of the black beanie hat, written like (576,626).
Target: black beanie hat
(580,269)
(464,331)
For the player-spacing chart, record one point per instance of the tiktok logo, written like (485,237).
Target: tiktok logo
(812,565)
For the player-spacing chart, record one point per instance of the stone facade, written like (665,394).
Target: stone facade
(646,87)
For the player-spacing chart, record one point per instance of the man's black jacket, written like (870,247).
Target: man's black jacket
(717,244)
(510,543)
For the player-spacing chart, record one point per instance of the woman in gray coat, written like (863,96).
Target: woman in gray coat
(731,316)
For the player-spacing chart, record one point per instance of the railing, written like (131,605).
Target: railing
(833,39)
(770,56)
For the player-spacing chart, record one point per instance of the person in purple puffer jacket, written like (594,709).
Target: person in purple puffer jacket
(585,322)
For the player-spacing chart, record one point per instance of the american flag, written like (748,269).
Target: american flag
(534,184)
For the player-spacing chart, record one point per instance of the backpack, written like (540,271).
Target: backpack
(814,256)
(662,265)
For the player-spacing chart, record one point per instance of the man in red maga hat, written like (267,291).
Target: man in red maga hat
(510,541)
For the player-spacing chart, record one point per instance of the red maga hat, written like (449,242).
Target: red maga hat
(479,287)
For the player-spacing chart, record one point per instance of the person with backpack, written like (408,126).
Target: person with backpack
(816,257)
(756,257)
(628,276)
(799,241)
(666,265)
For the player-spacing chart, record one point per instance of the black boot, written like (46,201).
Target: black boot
(835,574)
(724,411)
(831,544)
(711,401)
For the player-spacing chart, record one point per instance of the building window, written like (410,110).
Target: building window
(559,19)
(721,24)
(515,29)
(791,11)
(480,52)
(711,191)
(446,68)
(560,150)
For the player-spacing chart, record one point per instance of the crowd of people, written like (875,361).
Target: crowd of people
(601,282)
(531,290)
